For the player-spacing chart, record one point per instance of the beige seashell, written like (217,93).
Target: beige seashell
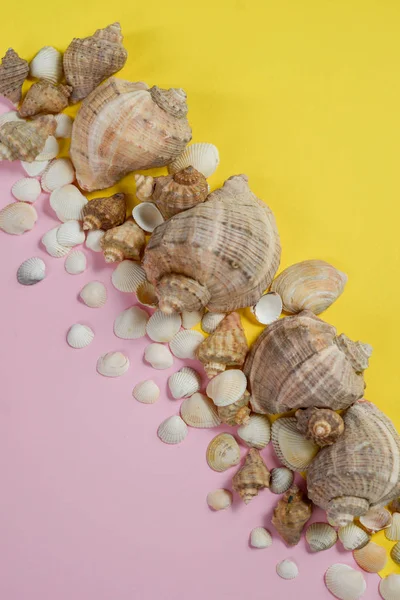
(173,430)
(393,531)
(70,234)
(371,558)
(131,323)
(344,582)
(146,392)
(237,413)
(64,126)
(199,411)
(191,319)
(320,536)
(31,271)
(18,217)
(260,538)
(158,356)
(376,519)
(291,447)
(256,433)
(124,241)
(75,263)
(389,587)
(105,213)
(68,202)
(50,149)
(321,425)
(227,387)
(147,216)
(223,452)
(184,382)
(26,189)
(128,276)
(43,98)
(287,569)
(146,294)
(281,480)
(93,241)
(211,320)
(94,294)
(13,72)
(268,309)
(353,537)
(25,141)
(203,157)
(252,477)
(394,506)
(219,499)
(113,364)
(59,172)
(395,553)
(144,187)
(291,514)
(9,116)
(35,168)
(47,64)
(161,327)
(185,343)
(79,336)
(53,247)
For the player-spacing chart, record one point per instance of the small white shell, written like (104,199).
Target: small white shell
(203,157)
(31,271)
(158,356)
(268,309)
(199,411)
(75,262)
(353,537)
(34,168)
(389,587)
(173,430)
(147,295)
(113,364)
(219,499)
(344,582)
(260,538)
(9,116)
(320,536)
(185,343)
(47,64)
(26,189)
(79,336)
(131,323)
(281,480)
(291,447)
(93,238)
(60,172)
(147,216)
(184,382)
(49,151)
(190,319)
(256,432)
(287,569)
(70,234)
(393,532)
(146,392)
(18,217)
(211,320)
(68,202)
(128,276)
(227,387)
(53,247)
(161,327)
(64,126)
(94,294)
(376,519)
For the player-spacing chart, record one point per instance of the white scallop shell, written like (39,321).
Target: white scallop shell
(26,189)
(321,536)
(371,558)
(146,392)
(131,323)
(199,411)
(34,168)
(353,537)
(18,217)
(184,382)
(389,587)
(287,569)
(219,499)
(94,294)
(9,116)
(53,247)
(113,364)
(68,202)
(260,538)
(281,480)
(127,276)
(158,356)
(203,157)
(147,216)
(47,64)
(190,319)
(185,343)
(70,234)
(93,238)
(211,320)
(173,430)
(64,126)
(291,447)
(50,149)
(162,327)
(79,336)
(256,432)
(75,262)
(60,172)
(268,309)
(393,532)
(376,519)
(227,387)
(147,295)
(31,271)
(344,582)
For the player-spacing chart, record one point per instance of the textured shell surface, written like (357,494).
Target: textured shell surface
(344,582)
(291,447)
(161,327)
(31,271)
(252,477)
(371,558)
(376,519)
(146,392)
(75,263)
(321,425)
(53,247)
(26,189)
(268,309)
(47,64)
(184,382)
(185,343)
(13,72)
(353,537)
(393,531)
(291,514)
(146,294)
(124,121)
(127,276)
(199,411)
(211,320)
(64,126)
(94,294)
(9,116)
(389,587)
(18,217)
(395,553)
(131,323)
(227,387)
(158,356)
(191,318)
(287,569)
(237,413)
(260,538)
(70,234)
(201,156)
(68,202)
(79,336)
(219,499)
(113,364)
(321,536)
(50,149)
(147,216)
(25,141)
(105,213)
(123,242)
(394,506)
(223,452)
(35,168)
(281,480)
(60,172)
(256,433)
(173,430)
(43,97)
(93,240)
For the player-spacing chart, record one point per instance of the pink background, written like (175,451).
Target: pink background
(92,505)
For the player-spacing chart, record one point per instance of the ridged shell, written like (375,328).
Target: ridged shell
(113,364)
(68,202)
(35,168)
(70,234)
(281,480)
(161,327)
(223,452)
(394,506)
(199,411)
(256,433)
(344,582)
(31,271)
(79,336)
(146,294)
(211,320)
(185,343)
(203,157)
(53,247)
(25,141)
(395,553)
(227,388)
(64,126)
(13,72)
(260,538)
(26,189)
(105,212)
(291,447)
(75,263)
(60,172)
(146,392)
(184,382)
(8,117)
(147,216)
(268,309)
(287,569)
(389,587)
(393,532)
(321,425)
(173,430)
(93,239)
(158,356)
(237,413)
(219,499)
(127,276)
(320,536)
(47,64)
(131,323)
(291,514)
(191,319)
(94,294)
(353,537)
(18,217)
(252,476)
(43,97)
(371,558)
(50,149)
(376,519)
(123,242)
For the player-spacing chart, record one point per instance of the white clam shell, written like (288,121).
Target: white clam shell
(53,247)
(376,519)
(93,238)
(321,536)
(353,537)
(26,189)
(191,319)
(70,234)
(223,452)
(202,156)
(18,217)
(131,323)
(31,271)
(49,151)
(113,364)
(260,538)
(227,387)
(47,64)
(392,533)
(75,263)
(64,126)
(9,116)
(199,411)
(60,172)
(256,432)
(268,309)
(68,202)
(185,343)
(94,294)
(162,327)
(281,480)
(34,168)
(158,356)
(291,447)
(79,336)
(287,569)
(146,392)
(127,276)
(344,582)
(147,216)
(211,320)
(173,430)
(219,499)
(184,382)
(389,587)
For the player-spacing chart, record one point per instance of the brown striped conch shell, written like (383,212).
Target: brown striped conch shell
(88,61)
(104,213)
(222,253)
(237,413)
(22,140)
(125,241)
(322,425)
(252,477)
(291,514)
(299,362)
(13,72)
(45,97)
(361,470)
(123,127)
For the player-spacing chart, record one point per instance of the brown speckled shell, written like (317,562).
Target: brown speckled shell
(104,213)
(22,140)
(237,413)
(252,477)
(322,425)
(13,72)
(125,241)
(291,514)
(45,98)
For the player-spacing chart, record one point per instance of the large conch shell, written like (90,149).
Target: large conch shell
(299,362)
(322,425)
(291,514)
(361,470)
(125,241)
(20,140)
(13,72)
(104,213)
(88,61)
(252,477)
(123,127)
(45,97)
(222,253)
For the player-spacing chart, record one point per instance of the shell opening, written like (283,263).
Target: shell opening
(178,293)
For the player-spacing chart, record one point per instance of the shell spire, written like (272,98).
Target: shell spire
(291,514)
(357,352)
(172,101)
(13,72)
(252,477)
(321,425)
(22,140)
(104,213)
(45,97)
(125,241)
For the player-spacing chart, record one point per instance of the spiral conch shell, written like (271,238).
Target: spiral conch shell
(20,140)
(45,97)
(223,253)
(123,127)
(125,241)
(361,470)
(291,514)
(237,413)
(321,425)
(252,477)
(104,213)
(299,362)
(13,72)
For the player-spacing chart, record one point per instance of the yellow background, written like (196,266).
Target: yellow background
(304,97)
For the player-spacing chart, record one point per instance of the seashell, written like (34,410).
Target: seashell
(268,309)
(376,519)
(75,263)
(173,430)
(131,323)
(227,388)
(252,477)
(50,149)
(287,569)
(105,213)
(70,234)
(291,514)
(219,499)
(161,327)
(18,217)
(237,413)
(389,587)
(23,140)
(35,168)
(26,189)
(146,392)
(144,187)
(360,470)
(124,241)
(353,537)
(185,343)
(225,347)
(260,538)
(199,411)
(211,320)
(31,271)
(309,285)
(13,72)
(60,172)
(203,157)
(184,382)
(395,553)
(147,216)
(320,536)
(291,447)
(43,98)
(223,452)
(394,506)
(256,433)
(79,336)
(146,294)
(213,272)
(9,116)
(281,480)
(158,356)
(113,364)
(393,531)
(64,126)
(344,582)
(68,202)
(94,294)
(127,276)
(191,319)
(87,61)
(93,240)
(130,123)
(53,247)
(47,64)
(371,558)
(299,362)
(321,425)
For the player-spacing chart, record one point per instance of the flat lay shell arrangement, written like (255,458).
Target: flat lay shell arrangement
(192,259)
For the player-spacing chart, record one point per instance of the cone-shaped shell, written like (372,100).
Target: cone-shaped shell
(392,533)
(199,411)
(219,499)
(344,582)
(13,72)
(320,536)
(299,362)
(353,537)
(124,241)
(372,558)
(236,413)
(223,452)
(45,98)
(256,432)
(105,213)
(252,477)
(321,425)
(121,128)
(389,587)
(291,447)
(376,519)
(291,514)
(281,480)
(20,140)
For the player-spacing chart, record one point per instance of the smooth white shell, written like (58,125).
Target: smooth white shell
(94,294)
(26,189)
(53,247)
(389,587)
(68,202)
(31,271)
(79,336)
(147,216)
(291,447)
(199,411)
(64,126)
(60,172)
(131,323)
(211,320)
(281,480)
(146,392)
(112,364)
(353,537)
(184,382)
(185,343)
(287,569)
(18,217)
(321,536)
(70,234)
(260,538)
(47,64)
(190,319)
(203,157)
(34,168)
(75,262)
(219,499)
(93,238)
(158,356)
(227,387)
(256,432)
(344,582)
(49,151)
(268,309)
(393,532)
(173,430)
(9,116)
(161,327)
(127,276)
